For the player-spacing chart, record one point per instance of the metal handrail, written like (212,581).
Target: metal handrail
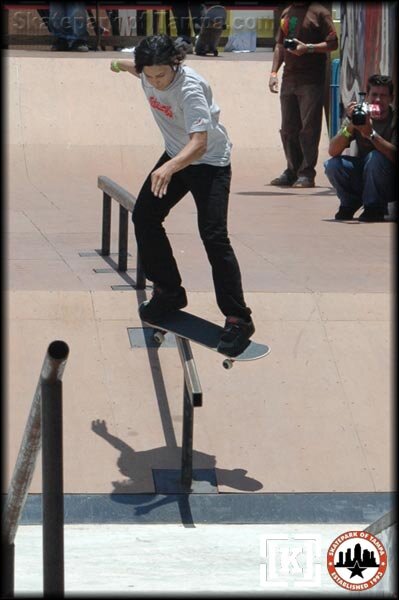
(112,190)
(50,378)
(52,371)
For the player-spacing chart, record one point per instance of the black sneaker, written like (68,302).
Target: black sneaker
(162,303)
(286,179)
(79,46)
(185,43)
(303,182)
(60,45)
(344,213)
(235,336)
(372,215)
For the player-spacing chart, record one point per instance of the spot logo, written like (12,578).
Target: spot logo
(356,560)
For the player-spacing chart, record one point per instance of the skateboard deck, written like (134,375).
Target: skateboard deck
(195,329)
(213,23)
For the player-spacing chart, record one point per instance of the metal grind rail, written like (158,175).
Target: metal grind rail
(43,427)
(113,191)
(192,387)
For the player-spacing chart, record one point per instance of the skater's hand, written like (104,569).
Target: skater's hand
(273,83)
(160,179)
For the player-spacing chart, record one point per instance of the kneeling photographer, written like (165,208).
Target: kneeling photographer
(366,179)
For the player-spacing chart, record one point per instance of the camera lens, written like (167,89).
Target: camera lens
(290,43)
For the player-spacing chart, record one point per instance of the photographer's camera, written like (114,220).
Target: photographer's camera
(290,44)
(361,110)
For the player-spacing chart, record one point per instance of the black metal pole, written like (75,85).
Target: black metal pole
(187,442)
(106,233)
(53,490)
(7,573)
(52,370)
(123,234)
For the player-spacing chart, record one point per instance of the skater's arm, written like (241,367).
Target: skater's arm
(124,65)
(191,152)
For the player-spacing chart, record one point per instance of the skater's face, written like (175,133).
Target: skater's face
(160,76)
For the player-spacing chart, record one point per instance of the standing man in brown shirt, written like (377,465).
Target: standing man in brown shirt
(305,36)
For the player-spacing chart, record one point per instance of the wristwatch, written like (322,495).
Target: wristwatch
(372,135)
(310,48)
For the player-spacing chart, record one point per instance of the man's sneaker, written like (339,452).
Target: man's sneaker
(162,303)
(60,45)
(286,179)
(184,43)
(372,215)
(79,46)
(344,213)
(303,182)
(235,336)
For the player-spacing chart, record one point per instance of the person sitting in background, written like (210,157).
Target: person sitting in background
(181,12)
(68,23)
(366,179)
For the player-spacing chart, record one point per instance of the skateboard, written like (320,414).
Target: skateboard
(185,325)
(213,23)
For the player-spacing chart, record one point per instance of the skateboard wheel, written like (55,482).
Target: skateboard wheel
(159,337)
(228,363)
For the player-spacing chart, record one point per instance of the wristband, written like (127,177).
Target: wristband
(273,74)
(344,131)
(115,66)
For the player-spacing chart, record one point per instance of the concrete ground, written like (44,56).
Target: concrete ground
(314,416)
(221,559)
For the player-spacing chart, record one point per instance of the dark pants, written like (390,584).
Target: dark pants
(210,188)
(301,120)
(68,21)
(367,181)
(181,12)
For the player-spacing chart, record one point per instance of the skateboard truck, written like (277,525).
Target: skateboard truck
(159,337)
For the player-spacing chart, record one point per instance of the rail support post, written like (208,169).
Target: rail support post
(192,397)
(53,490)
(187,442)
(7,576)
(106,232)
(123,234)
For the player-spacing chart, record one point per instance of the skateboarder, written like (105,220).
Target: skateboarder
(196,160)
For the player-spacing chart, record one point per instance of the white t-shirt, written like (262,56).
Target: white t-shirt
(187,106)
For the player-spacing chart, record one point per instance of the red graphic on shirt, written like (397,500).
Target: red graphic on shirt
(167,110)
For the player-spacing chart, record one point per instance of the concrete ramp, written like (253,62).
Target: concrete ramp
(314,416)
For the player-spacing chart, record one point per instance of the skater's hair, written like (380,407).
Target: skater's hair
(157,50)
